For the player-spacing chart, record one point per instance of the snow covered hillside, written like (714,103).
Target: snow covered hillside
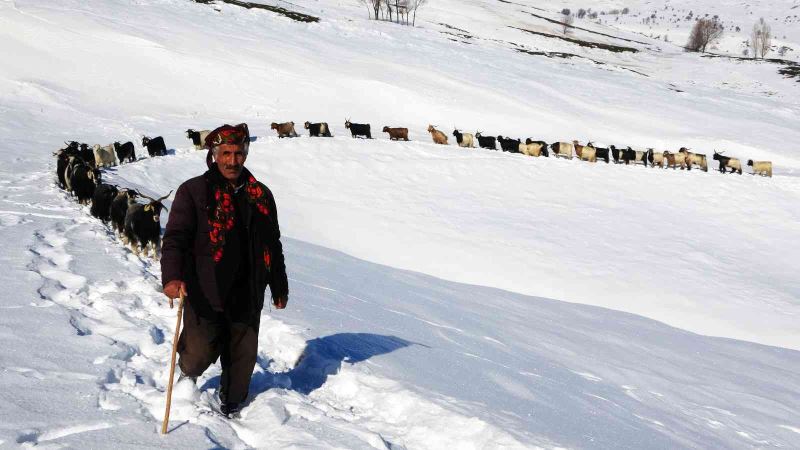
(442,298)
(672,20)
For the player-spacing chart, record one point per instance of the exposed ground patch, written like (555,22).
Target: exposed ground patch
(299,17)
(582,43)
(557,22)
(457,34)
(790,70)
(571,55)
(520,4)
(464,36)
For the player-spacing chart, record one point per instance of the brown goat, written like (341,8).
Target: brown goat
(675,159)
(285,129)
(578,149)
(438,136)
(396,134)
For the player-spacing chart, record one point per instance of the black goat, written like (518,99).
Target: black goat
(104,194)
(62,160)
(486,141)
(119,209)
(125,151)
(83,181)
(358,129)
(155,146)
(87,155)
(143,224)
(508,144)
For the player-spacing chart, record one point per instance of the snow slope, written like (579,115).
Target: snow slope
(441,297)
(671,19)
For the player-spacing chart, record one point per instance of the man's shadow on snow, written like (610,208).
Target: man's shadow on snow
(323,357)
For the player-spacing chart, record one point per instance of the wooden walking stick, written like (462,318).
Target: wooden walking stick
(172,364)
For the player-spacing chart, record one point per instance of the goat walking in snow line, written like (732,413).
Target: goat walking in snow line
(125,152)
(508,144)
(726,162)
(585,152)
(285,129)
(87,155)
(656,158)
(104,194)
(761,167)
(675,159)
(318,129)
(396,134)
(84,180)
(119,210)
(358,129)
(696,159)
(63,157)
(631,155)
(105,156)
(155,146)
(198,137)
(438,137)
(464,140)
(616,154)
(562,149)
(143,225)
(599,152)
(486,141)
(534,148)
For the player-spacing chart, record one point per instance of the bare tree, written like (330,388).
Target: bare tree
(374,6)
(705,32)
(761,38)
(566,22)
(389,8)
(401,6)
(413,6)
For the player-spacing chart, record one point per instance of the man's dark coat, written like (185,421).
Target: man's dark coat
(186,252)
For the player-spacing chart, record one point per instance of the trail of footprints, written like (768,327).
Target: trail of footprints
(118,311)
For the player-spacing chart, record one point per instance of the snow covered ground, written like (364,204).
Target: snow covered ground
(671,21)
(443,298)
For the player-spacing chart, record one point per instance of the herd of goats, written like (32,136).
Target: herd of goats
(683,158)
(78,172)
(138,224)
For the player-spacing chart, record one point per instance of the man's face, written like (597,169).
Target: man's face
(230,161)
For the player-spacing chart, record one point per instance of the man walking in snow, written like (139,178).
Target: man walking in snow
(221,249)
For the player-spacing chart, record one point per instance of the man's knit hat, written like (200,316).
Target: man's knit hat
(227,134)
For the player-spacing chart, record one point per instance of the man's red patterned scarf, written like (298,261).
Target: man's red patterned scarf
(223,218)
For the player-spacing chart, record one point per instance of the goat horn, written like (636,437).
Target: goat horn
(142,195)
(164,197)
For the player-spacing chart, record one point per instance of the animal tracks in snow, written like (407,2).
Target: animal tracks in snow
(33,437)
(322,397)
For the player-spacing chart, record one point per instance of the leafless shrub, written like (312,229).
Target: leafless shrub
(704,32)
(413,6)
(566,23)
(761,38)
(392,10)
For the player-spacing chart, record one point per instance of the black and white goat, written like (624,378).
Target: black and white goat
(143,225)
